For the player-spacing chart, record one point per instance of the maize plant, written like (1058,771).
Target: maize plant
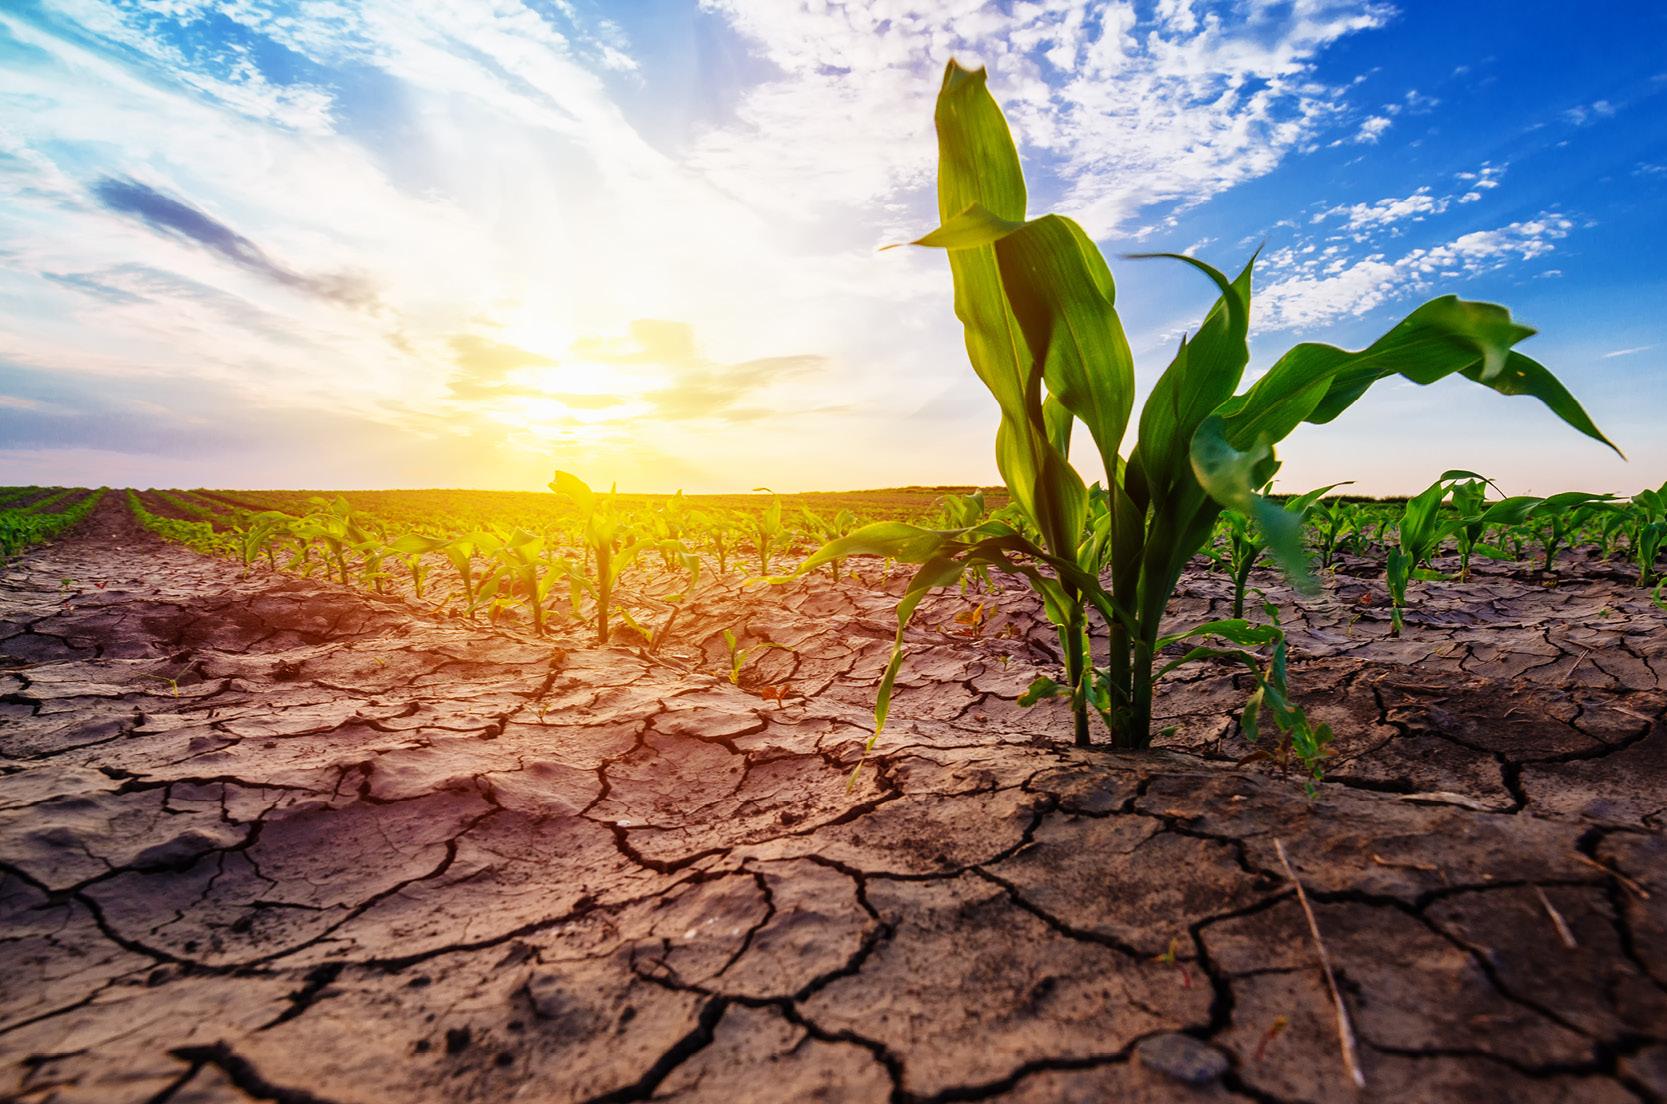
(1333,521)
(960,511)
(719,527)
(335,525)
(1612,525)
(825,529)
(1037,304)
(1559,516)
(517,556)
(1468,498)
(607,542)
(768,531)
(1246,542)
(1647,512)
(1423,530)
(738,655)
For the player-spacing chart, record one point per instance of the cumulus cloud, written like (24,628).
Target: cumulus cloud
(522,196)
(1371,129)
(1395,212)
(1132,111)
(1312,286)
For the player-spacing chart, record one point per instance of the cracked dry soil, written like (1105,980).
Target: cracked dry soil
(267,838)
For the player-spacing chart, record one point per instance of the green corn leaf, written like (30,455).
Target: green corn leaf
(978,165)
(575,488)
(1446,336)
(1043,687)
(1235,630)
(891,539)
(1301,504)
(1203,375)
(975,226)
(1061,292)
(934,573)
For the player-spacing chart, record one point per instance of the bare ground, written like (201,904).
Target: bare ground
(267,838)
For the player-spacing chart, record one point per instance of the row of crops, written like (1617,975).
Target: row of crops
(514,556)
(34,515)
(537,558)
(607,564)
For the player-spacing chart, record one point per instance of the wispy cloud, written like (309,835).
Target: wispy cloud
(1583,114)
(1628,352)
(172,216)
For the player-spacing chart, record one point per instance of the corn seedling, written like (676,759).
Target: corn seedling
(738,655)
(1246,542)
(768,531)
(606,541)
(1647,519)
(1036,300)
(719,527)
(1331,521)
(826,529)
(1555,518)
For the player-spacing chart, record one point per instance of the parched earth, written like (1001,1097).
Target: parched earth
(267,838)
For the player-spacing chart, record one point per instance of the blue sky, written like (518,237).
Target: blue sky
(347,243)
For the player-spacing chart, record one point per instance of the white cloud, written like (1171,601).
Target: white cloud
(1582,114)
(1371,129)
(1628,352)
(519,203)
(1129,114)
(1363,220)
(1388,212)
(1309,288)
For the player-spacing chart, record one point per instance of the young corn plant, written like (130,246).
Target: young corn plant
(1647,513)
(1422,530)
(1246,542)
(825,529)
(608,542)
(1037,304)
(518,556)
(719,528)
(769,533)
(336,526)
(1468,498)
(739,655)
(1333,520)
(1557,518)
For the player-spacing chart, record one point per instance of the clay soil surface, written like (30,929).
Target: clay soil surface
(267,838)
